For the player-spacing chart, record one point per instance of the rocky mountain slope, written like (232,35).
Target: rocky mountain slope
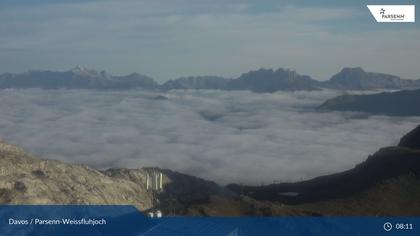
(28,180)
(401,103)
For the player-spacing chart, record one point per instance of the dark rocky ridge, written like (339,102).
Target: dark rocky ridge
(412,139)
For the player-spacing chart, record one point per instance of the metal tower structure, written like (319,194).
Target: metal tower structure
(154,184)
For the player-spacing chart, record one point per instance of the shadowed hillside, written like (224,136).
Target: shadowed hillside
(401,103)
(399,166)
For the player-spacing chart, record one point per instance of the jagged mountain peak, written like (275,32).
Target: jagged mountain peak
(358,79)
(78,68)
(82,71)
(350,73)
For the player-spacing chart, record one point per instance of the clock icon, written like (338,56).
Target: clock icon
(387,226)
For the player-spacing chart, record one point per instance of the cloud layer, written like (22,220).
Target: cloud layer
(223,136)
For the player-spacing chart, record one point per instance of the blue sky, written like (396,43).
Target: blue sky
(171,38)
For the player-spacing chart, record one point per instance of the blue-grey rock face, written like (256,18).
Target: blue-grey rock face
(268,80)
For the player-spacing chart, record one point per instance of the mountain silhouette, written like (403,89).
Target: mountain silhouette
(261,81)
(400,103)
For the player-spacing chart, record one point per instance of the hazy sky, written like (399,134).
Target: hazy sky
(173,38)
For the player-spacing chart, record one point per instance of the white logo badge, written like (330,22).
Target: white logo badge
(393,13)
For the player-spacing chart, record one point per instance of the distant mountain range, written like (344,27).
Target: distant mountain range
(386,184)
(400,103)
(262,80)
(74,79)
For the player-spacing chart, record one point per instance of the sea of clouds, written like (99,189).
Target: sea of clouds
(227,137)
